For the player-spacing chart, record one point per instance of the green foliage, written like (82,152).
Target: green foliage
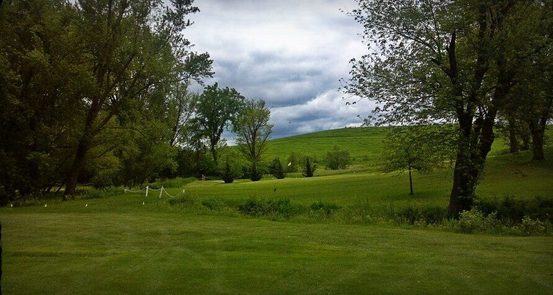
(420,215)
(326,208)
(216,109)
(309,168)
(256,171)
(177,182)
(420,69)
(181,201)
(476,221)
(270,208)
(252,132)
(213,204)
(513,210)
(228,176)
(337,159)
(294,160)
(276,169)
(87,92)
(39,78)
(530,226)
(420,148)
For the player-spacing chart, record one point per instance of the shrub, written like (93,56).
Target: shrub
(309,168)
(276,169)
(255,173)
(271,208)
(99,193)
(337,159)
(424,215)
(530,226)
(213,204)
(181,200)
(327,208)
(228,176)
(512,210)
(177,182)
(294,160)
(475,221)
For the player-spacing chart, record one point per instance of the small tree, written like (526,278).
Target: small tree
(337,159)
(293,161)
(419,148)
(228,176)
(276,169)
(253,130)
(309,168)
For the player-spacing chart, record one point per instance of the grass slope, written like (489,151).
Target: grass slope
(364,144)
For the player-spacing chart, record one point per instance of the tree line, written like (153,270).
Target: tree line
(97,91)
(464,63)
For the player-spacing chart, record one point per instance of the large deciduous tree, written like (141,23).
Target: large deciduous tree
(39,79)
(91,86)
(216,109)
(253,130)
(453,61)
(133,48)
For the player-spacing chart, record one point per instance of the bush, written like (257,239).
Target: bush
(99,193)
(475,221)
(309,168)
(177,182)
(512,210)
(213,204)
(182,200)
(294,161)
(337,159)
(424,215)
(276,169)
(327,208)
(271,208)
(530,226)
(255,173)
(228,176)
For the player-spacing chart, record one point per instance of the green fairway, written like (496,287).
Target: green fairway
(144,252)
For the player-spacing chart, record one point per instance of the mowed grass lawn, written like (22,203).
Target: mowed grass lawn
(505,175)
(147,250)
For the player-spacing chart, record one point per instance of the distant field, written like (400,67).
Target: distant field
(364,144)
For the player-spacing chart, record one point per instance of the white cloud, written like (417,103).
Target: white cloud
(329,110)
(286,52)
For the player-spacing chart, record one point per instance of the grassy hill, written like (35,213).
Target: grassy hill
(364,144)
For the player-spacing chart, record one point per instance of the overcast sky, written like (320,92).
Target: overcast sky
(289,53)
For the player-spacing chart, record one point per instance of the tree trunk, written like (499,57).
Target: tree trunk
(525,137)
(474,145)
(214,155)
(410,181)
(76,167)
(82,148)
(464,184)
(537,141)
(513,141)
